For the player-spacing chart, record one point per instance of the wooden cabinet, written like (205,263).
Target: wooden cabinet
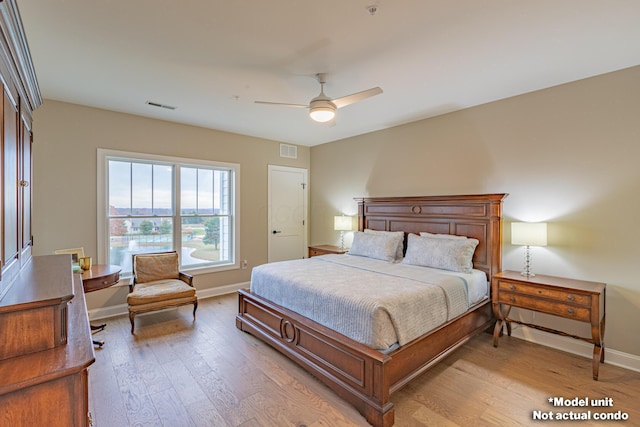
(44,328)
(24,185)
(47,347)
(325,249)
(20,96)
(33,314)
(568,298)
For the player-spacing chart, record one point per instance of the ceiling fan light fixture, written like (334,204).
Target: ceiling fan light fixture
(322,114)
(322,109)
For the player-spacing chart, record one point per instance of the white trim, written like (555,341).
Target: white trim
(101,191)
(574,346)
(122,310)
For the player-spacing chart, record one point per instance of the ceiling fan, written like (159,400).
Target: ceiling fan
(322,108)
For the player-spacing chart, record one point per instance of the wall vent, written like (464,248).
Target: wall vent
(289,151)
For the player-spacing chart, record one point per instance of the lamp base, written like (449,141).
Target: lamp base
(527,263)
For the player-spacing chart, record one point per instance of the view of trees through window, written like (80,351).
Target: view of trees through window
(158,206)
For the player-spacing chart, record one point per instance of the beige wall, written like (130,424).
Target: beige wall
(567,155)
(67,137)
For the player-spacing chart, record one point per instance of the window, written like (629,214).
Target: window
(155,203)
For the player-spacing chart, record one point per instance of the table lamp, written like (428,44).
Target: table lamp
(342,223)
(528,234)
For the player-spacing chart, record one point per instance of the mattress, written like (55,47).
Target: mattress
(379,304)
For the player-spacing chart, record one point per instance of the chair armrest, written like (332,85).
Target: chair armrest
(132,283)
(186,278)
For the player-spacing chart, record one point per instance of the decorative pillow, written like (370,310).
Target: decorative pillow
(400,248)
(374,245)
(447,254)
(441,236)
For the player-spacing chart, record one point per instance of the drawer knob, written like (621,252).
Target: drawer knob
(512,287)
(512,299)
(570,310)
(570,297)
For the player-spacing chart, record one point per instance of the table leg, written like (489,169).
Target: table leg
(502,319)
(497,330)
(98,328)
(597,335)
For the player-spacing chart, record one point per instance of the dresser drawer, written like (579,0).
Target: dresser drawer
(545,306)
(545,292)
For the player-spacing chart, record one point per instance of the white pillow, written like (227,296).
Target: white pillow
(441,236)
(374,245)
(400,248)
(446,254)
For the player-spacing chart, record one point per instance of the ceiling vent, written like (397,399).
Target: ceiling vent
(289,151)
(157,104)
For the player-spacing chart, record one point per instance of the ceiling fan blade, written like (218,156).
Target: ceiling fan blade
(355,97)
(282,104)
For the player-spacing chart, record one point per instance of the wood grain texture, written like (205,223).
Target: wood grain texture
(50,384)
(33,313)
(216,375)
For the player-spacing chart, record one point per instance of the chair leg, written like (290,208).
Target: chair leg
(195,307)
(131,316)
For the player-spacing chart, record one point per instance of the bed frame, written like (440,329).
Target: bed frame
(364,377)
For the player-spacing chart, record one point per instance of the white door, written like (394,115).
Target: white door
(287,213)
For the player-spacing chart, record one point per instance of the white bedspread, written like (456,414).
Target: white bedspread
(376,303)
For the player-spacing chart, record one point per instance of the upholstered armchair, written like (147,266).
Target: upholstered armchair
(157,284)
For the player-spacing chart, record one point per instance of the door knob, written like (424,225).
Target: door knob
(276,232)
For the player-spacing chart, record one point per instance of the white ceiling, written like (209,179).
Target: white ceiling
(212,58)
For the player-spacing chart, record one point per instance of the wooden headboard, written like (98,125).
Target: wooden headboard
(478,216)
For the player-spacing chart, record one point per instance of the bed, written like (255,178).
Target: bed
(364,376)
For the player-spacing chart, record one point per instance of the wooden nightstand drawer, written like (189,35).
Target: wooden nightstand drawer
(546,292)
(325,249)
(551,307)
(315,252)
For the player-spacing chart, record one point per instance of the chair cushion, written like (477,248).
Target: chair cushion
(152,267)
(159,290)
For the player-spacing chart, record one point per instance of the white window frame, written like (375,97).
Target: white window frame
(103,158)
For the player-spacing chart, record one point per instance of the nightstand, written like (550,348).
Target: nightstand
(572,299)
(326,249)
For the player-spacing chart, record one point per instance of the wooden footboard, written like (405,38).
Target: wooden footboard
(362,376)
(353,371)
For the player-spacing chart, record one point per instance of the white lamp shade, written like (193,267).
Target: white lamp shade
(342,223)
(529,233)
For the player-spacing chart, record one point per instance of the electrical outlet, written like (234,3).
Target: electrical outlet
(244,264)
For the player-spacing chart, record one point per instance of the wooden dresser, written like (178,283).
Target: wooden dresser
(569,298)
(46,347)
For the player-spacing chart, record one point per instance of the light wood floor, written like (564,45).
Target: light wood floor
(174,372)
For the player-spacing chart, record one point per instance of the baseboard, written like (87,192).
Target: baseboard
(581,348)
(120,309)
